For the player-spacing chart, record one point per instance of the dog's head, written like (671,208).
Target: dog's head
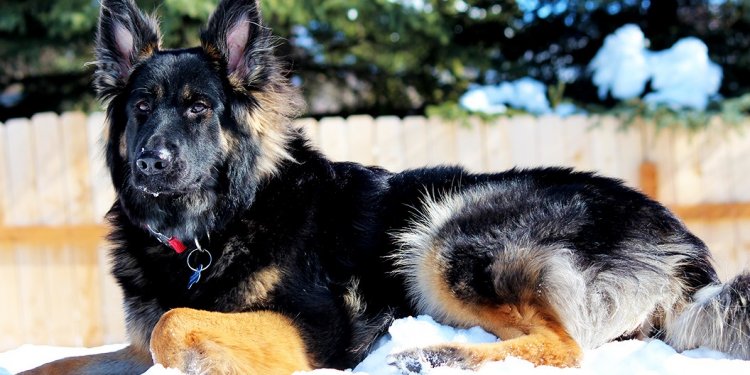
(192,132)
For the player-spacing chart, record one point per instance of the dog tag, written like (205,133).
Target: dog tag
(196,276)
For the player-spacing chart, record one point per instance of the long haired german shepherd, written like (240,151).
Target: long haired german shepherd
(241,249)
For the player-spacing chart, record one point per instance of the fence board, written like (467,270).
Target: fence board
(361,134)
(739,146)
(21,178)
(49,169)
(715,162)
(524,135)
(389,143)
(497,146)
(629,142)
(605,147)
(34,295)
(440,138)
(416,148)
(86,318)
(101,185)
(663,155)
(552,142)
(4,178)
(469,145)
(333,134)
(739,152)
(722,236)
(9,289)
(60,282)
(688,169)
(11,322)
(578,142)
(79,200)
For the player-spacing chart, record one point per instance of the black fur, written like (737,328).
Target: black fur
(328,228)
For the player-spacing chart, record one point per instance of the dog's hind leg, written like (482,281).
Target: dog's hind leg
(536,337)
(250,343)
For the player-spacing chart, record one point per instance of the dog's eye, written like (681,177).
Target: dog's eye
(143,106)
(198,107)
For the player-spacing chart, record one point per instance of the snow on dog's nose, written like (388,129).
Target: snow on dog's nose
(154,162)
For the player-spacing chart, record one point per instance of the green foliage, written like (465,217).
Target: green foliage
(732,112)
(735,110)
(453,112)
(394,58)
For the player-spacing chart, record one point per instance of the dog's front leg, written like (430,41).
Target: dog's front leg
(129,360)
(203,342)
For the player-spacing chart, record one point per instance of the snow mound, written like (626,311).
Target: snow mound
(621,65)
(682,76)
(624,357)
(525,93)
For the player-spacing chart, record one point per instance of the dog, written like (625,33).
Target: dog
(240,248)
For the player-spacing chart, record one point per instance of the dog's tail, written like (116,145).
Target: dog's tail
(718,318)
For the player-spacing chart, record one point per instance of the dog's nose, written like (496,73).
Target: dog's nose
(153,162)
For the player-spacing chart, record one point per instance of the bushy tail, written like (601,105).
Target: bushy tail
(718,318)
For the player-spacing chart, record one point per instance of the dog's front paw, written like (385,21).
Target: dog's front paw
(420,361)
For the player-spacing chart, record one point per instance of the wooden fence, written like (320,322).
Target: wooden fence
(54,282)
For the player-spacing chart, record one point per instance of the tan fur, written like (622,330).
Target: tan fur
(272,126)
(212,52)
(438,299)
(530,329)
(201,342)
(186,93)
(123,147)
(129,360)
(224,141)
(544,340)
(261,284)
(547,344)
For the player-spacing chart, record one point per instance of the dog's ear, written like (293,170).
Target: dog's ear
(236,35)
(124,37)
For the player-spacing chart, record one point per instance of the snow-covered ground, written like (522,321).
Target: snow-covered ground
(625,357)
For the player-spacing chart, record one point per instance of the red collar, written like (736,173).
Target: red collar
(176,245)
(172,242)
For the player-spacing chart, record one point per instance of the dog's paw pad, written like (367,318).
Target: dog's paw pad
(418,361)
(407,363)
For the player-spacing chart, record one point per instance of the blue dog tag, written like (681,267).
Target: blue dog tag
(196,276)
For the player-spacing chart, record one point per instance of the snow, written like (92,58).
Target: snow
(525,93)
(682,76)
(624,357)
(621,65)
